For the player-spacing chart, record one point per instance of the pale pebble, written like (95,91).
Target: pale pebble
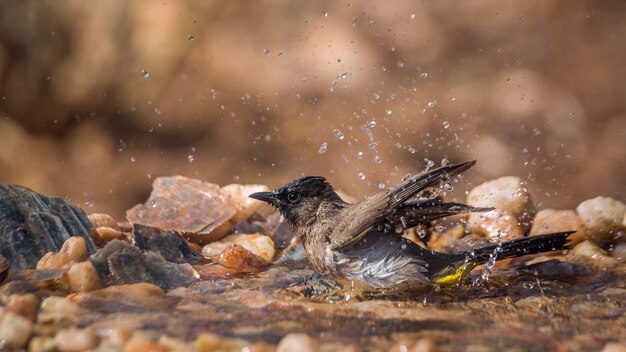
(73,250)
(244,205)
(258,244)
(15,330)
(603,217)
(297,342)
(550,221)
(507,194)
(83,277)
(103,220)
(498,226)
(76,340)
(589,253)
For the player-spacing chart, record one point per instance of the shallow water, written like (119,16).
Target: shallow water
(542,307)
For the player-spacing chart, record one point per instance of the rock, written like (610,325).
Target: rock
(104,235)
(590,254)
(198,210)
(619,252)
(233,260)
(421,345)
(258,244)
(441,241)
(207,342)
(550,220)
(76,340)
(103,220)
(74,250)
(83,277)
(603,217)
(278,229)
(132,292)
(498,225)
(121,263)
(15,330)
(42,344)
(614,347)
(507,194)
(56,309)
(4,268)
(32,225)
(136,345)
(23,305)
(168,243)
(297,342)
(244,205)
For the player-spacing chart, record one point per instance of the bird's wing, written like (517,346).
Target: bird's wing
(358,218)
(410,215)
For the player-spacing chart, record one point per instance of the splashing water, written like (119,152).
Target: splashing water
(323,148)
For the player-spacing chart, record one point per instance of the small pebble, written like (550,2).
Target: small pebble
(83,277)
(73,250)
(603,217)
(76,340)
(507,194)
(207,342)
(24,305)
(258,244)
(297,342)
(55,309)
(42,344)
(614,347)
(589,253)
(15,330)
(498,225)
(103,220)
(550,220)
(136,345)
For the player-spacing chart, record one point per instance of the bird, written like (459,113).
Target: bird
(358,242)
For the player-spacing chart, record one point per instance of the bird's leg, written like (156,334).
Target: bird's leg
(315,285)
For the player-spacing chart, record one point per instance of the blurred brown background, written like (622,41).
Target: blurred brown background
(99,98)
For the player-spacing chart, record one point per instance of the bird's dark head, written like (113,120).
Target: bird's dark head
(299,200)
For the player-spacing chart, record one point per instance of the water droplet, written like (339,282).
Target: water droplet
(424,75)
(190,38)
(429,163)
(378,159)
(381,185)
(337,133)
(412,16)
(359,155)
(190,158)
(448,187)
(412,150)
(372,124)
(439,228)
(145,74)
(132,159)
(90,203)
(445,162)
(266,51)
(446,124)
(324,13)
(431,104)
(153,203)
(389,112)
(373,145)
(323,148)
(361,176)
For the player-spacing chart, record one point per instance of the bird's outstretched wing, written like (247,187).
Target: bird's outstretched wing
(358,218)
(412,214)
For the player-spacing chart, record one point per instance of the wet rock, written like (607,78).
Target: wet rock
(421,345)
(32,225)
(15,330)
(23,305)
(588,253)
(74,250)
(76,340)
(103,220)
(83,277)
(260,245)
(168,243)
(198,210)
(619,252)
(297,342)
(441,241)
(243,205)
(550,220)
(507,194)
(120,263)
(233,260)
(132,292)
(499,225)
(603,218)
(4,268)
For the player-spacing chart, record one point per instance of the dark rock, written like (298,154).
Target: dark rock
(32,224)
(4,268)
(277,228)
(168,243)
(121,263)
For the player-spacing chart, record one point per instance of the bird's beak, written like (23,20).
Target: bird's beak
(267,197)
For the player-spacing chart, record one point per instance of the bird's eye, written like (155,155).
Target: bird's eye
(293,197)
